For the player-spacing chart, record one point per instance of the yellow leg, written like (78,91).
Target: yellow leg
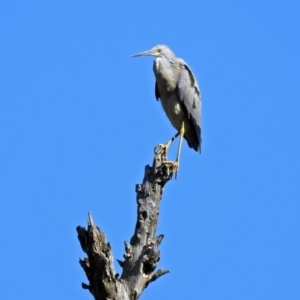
(181,133)
(176,163)
(163,148)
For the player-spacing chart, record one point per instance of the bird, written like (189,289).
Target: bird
(177,89)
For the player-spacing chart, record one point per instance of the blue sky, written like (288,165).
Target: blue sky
(79,121)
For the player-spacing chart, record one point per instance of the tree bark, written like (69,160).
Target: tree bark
(141,253)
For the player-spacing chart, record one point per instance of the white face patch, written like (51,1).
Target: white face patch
(157,62)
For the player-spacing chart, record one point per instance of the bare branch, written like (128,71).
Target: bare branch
(141,254)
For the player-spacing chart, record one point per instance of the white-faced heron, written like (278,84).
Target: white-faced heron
(179,93)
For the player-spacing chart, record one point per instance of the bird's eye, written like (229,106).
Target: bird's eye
(158,50)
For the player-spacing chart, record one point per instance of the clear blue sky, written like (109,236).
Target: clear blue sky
(79,120)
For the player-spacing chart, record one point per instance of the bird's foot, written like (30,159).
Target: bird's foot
(162,149)
(173,166)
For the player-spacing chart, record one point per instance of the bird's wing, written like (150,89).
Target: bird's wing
(157,93)
(189,93)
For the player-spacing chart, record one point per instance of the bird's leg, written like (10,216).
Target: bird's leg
(176,162)
(162,149)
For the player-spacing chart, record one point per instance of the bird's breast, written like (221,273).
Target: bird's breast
(173,109)
(166,75)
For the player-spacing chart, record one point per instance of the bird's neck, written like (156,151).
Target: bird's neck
(162,67)
(157,64)
(166,74)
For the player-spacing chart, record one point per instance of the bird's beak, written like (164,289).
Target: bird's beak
(145,53)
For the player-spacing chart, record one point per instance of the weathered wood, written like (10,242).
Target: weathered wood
(141,253)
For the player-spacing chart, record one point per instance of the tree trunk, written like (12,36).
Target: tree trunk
(141,254)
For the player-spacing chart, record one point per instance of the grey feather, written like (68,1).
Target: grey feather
(189,92)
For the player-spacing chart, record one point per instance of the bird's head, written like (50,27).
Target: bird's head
(158,51)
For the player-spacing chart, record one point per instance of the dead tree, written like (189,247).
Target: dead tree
(141,253)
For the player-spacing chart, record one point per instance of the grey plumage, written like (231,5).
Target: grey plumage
(179,93)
